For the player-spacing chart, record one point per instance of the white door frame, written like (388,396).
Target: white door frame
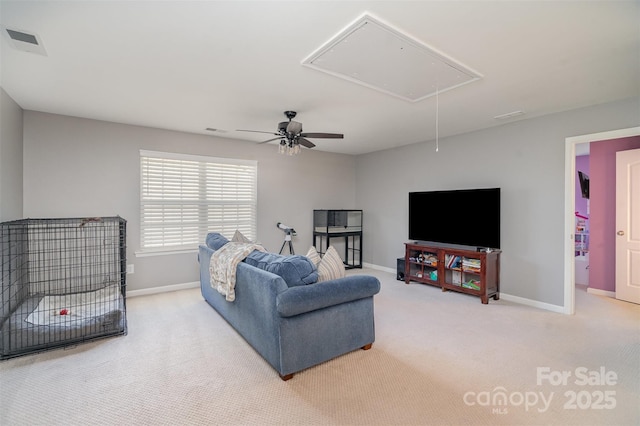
(570,205)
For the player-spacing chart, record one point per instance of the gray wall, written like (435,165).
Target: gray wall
(524,158)
(75,167)
(78,167)
(10,158)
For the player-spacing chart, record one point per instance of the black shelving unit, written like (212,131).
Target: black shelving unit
(345,225)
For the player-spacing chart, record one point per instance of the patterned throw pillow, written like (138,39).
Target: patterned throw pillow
(313,256)
(331,266)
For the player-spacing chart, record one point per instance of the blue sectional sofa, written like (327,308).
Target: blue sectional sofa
(294,327)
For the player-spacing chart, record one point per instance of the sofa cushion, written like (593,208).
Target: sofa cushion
(331,266)
(215,240)
(295,270)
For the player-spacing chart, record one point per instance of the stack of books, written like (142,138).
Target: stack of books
(471,265)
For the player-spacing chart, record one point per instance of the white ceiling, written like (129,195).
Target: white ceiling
(233,65)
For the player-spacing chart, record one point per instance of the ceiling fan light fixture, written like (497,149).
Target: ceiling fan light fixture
(289,147)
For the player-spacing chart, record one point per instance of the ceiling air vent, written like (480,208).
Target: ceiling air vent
(374,54)
(509,115)
(26,42)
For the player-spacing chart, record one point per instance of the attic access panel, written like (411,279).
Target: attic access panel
(375,55)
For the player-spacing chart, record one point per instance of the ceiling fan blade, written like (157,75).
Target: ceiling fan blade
(306,142)
(269,140)
(256,131)
(323,135)
(294,127)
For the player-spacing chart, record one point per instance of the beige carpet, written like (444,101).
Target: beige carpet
(439,358)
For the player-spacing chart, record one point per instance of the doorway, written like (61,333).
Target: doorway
(569,223)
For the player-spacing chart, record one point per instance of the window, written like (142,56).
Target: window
(183,197)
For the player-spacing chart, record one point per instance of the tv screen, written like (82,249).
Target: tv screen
(584,184)
(468,217)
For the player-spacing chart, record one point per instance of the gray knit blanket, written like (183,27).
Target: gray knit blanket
(223,265)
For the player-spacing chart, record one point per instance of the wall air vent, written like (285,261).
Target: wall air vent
(24,41)
(373,54)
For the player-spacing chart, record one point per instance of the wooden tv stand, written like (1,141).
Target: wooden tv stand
(465,271)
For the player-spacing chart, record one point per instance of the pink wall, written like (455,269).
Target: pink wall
(602,166)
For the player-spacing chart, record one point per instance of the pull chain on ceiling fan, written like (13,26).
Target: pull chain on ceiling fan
(437,117)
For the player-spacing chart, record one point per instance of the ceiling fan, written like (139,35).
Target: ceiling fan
(291,135)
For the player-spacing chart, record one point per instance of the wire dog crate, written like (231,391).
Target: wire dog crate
(63,282)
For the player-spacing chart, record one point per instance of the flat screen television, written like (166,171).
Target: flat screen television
(466,217)
(584,184)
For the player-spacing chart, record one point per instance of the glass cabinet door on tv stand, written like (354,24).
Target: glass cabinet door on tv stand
(343,230)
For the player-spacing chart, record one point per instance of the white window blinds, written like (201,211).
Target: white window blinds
(183,197)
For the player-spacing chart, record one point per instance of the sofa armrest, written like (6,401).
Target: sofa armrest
(301,299)
(204,254)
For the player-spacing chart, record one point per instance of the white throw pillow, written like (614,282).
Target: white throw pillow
(313,256)
(239,238)
(331,266)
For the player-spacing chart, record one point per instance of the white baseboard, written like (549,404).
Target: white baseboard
(163,289)
(532,303)
(508,297)
(599,292)
(379,268)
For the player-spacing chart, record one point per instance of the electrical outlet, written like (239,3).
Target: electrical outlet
(130,269)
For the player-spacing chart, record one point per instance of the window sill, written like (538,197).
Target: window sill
(150,253)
